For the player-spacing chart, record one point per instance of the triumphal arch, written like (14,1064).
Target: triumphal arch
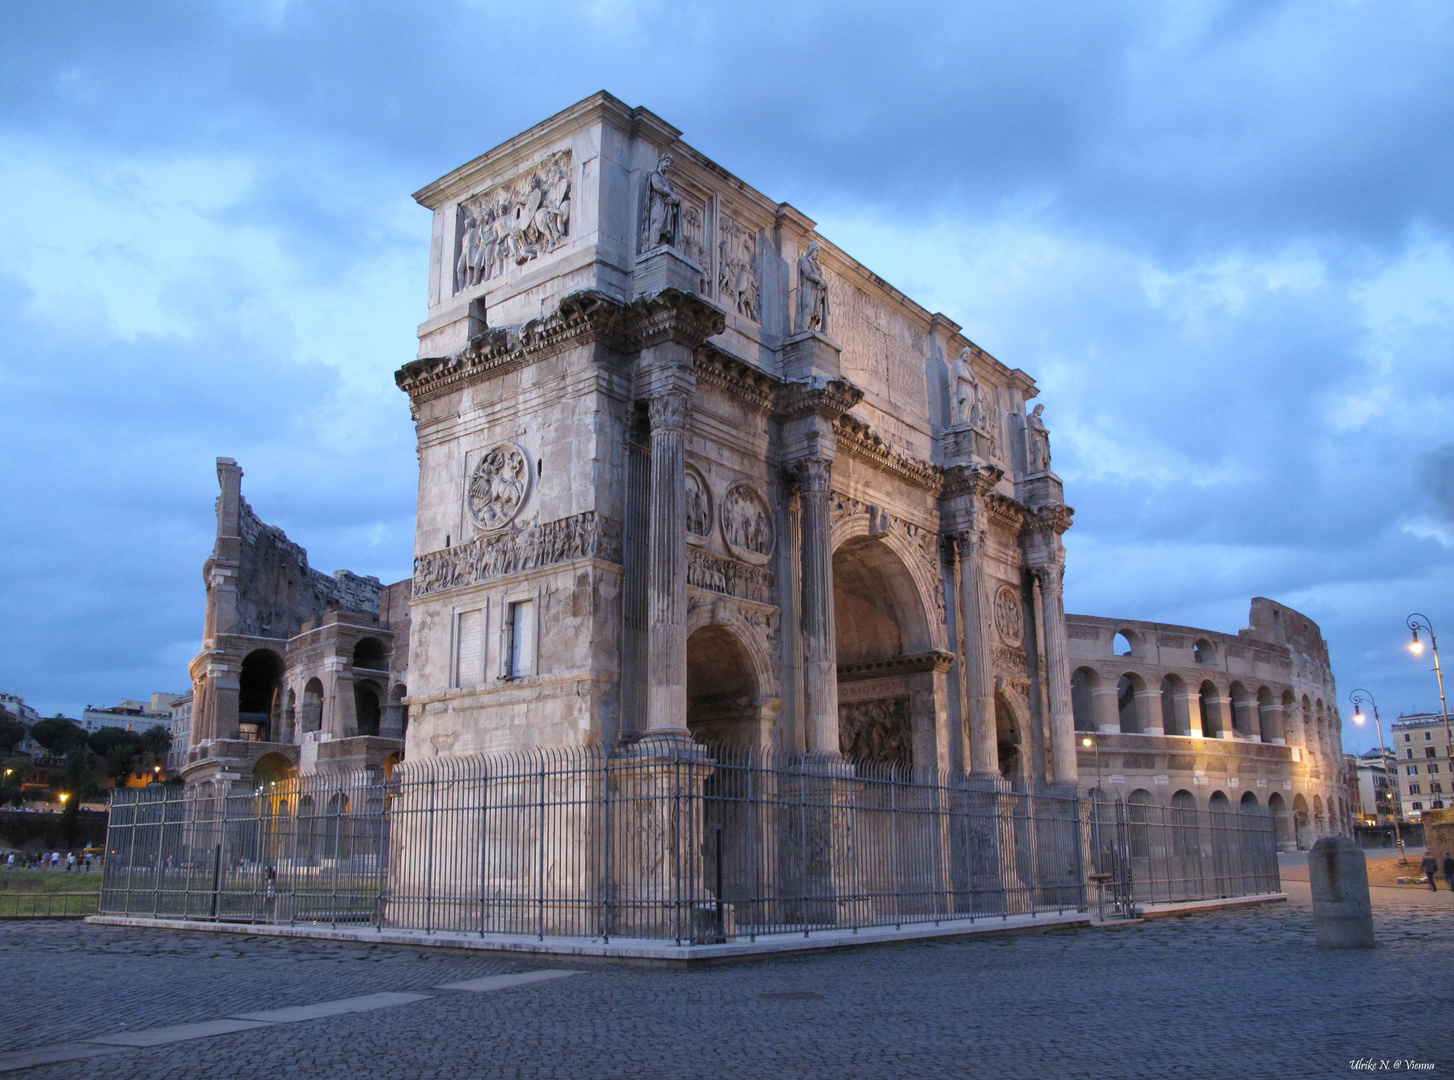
(689,471)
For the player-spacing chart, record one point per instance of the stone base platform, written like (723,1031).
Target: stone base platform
(629,950)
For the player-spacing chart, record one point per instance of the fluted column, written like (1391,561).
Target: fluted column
(666,598)
(820,643)
(979,680)
(1057,663)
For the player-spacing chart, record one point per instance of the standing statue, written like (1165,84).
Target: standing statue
(663,208)
(964,392)
(812,293)
(1038,441)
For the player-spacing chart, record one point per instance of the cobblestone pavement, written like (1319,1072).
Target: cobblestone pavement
(1232,993)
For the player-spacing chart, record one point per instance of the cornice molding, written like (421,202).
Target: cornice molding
(583,318)
(976,479)
(752,386)
(897,665)
(816,396)
(858,440)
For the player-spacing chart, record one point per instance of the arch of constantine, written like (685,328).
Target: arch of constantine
(689,473)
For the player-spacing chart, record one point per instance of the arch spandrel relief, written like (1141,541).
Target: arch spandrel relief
(1009,615)
(498,486)
(747,527)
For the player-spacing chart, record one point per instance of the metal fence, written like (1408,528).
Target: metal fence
(1145,853)
(673,841)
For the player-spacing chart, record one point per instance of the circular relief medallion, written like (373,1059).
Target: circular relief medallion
(1009,615)
(746,524)
(498,486)
(699,505)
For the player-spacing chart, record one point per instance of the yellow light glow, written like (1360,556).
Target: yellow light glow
(1086,741)
(64,796)
(1416,647)
(1358,717)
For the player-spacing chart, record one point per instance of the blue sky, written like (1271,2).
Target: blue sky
(1219,234)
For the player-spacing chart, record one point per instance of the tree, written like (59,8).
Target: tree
(58,734)
(120,760)
(14,772)
(11,732)
(156,740)
(104,740)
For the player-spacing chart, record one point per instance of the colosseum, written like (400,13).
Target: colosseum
(1178,716)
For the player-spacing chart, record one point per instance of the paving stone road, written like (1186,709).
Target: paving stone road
(1236,993)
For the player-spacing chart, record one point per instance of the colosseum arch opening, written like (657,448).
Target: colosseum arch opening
(1209,699)
(1131,704)
(1082,683)
(1242,720)
(1007,738)
(887,707)
(368,710)
(259,696)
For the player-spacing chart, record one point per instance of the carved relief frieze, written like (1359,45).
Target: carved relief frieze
(1012,660)
(1009,615)
(739,269)
(514,222)
(747,524)
(876,731)
(699,507)
(498,486)
(730,577)
(517,549)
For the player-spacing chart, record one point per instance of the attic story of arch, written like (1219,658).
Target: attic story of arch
(689,471)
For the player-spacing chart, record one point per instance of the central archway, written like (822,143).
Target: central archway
(890,679)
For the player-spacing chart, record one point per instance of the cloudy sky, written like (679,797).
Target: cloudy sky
(1218,233)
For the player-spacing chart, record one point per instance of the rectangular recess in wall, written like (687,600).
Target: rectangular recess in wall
(469,663)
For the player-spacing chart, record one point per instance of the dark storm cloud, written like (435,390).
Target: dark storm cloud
(1217,233)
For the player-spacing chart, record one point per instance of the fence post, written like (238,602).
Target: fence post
(608,848)
(156,903)
(540,859)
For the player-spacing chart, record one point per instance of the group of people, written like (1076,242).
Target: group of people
(50,860)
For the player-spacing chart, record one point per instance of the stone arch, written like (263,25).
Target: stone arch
(290,717)
(855,530)
(312,710)
(368,707)
(722,687)
(1131,703)
(1219,802)
(1269,722)
(259,695)
(747,636)
(1083,682)
(1319,824)
(1013,749)
(1209,701)
(371,655)
(1248,802)
(1183,818)
(273,768)
(1203,652)
(1281,819)
(1174,718)
(1125,642)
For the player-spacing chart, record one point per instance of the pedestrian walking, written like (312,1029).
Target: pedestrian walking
(70,861)
(1449,871)
(1430,867)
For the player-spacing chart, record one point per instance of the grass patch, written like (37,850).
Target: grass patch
(53,881)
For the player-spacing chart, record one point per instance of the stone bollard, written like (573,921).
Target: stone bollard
(1342,913)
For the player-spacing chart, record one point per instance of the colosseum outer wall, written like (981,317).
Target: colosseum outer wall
(1180,716)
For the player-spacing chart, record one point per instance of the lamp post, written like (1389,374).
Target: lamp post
(1358,697)
(1416,622)
(1089,741)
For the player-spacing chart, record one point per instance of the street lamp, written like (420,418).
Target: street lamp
(1358,697)
(1089,742)
(1416,622)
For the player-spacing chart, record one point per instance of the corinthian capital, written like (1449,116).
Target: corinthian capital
(669,412)
(972,543)
(814,476)
(1052,577)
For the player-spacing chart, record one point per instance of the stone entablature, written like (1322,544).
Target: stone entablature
(1195,712)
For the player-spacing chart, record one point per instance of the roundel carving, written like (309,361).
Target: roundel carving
(746,523)
(1009,615)
(498,486)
